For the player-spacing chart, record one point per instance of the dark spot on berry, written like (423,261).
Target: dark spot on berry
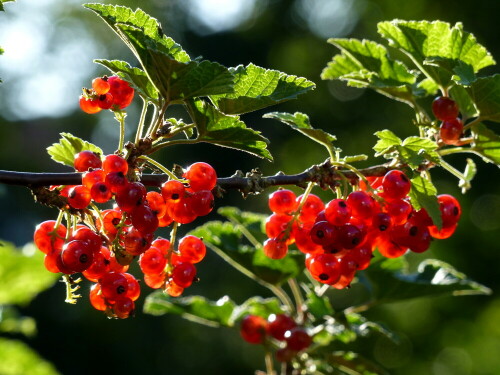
(320,234)
(102,97)
(455,211)
(355,241)
(323,277)
(115,221)
(83,258)
(175,196)
(404,178)
(413,230)
(342,204)
(72,194)
(382,227)
(144,242)
(103,188)
(120,289)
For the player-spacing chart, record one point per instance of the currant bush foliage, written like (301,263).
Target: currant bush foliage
(438,60)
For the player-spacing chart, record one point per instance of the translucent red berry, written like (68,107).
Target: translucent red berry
(445,108)
(89,106)
(184,274)
(121,91)
(278,324)
(192,249)
(113,285)
(100,85)
(450,131)
(283,201)
(253,329)
(77,256)
(395,185)
(86,160)
(47,239)
(297,339)
(275,248)
(201,176)
(79,197)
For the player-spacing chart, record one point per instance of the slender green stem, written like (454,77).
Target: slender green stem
(299,300)
(160,167)
(153,121)
(457,150)
(98,213)
(269,363)
(452,170)
(173,235)
(181,129)
(120,117)
(155,126)
(142,119)
(472,123)
(174,142)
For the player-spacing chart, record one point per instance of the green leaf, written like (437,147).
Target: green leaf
(447,48)
(1,5)
(177,80)
(116,16)
(415,150)
(387,142)
(227,131)
(241,247)
(135,76)
(64,152)
(195,308)
(18,358)
(432,278)
(300,122)
(319,307)
(256,306)
(22,274)
(486,143)
(363,63)
(12,322)
(485,93)
(256,88)
(350,363)
(423,194)
(469,174)
(464,101)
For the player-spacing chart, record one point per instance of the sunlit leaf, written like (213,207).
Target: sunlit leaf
(64,152)
(256,88)
(18,358)
(485,92)
(423,194)
(22,274)
(486,143)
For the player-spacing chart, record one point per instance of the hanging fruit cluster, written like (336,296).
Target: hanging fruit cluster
(340,236)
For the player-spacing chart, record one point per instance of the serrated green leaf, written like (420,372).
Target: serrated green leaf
(252,222)
(256,306)
(239,244)
(64,152)
(300,122)
(227,131)
(256,88)
(116,15)
(415,150)
(426,87)
(18,358)
(22,274)
(387,142)
(469,174)
(177,80)
(423,194)
(485,93)
(12,322)
(135,76)
(486,143)
(195,308)
(432,278)
(364,63)
(438,43)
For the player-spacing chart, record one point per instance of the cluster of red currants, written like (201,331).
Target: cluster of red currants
(103,247)
(446,110)
(339,238)
(106,93)
(288,336)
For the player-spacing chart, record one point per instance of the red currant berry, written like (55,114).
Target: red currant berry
(121,91)
(324,268)
(303,240)
(99,267)
(201,176)
(123,307)
(144,219)
(86,160)
(181,211)
(97,300)
(362,205)
(278,324)
(253,329)
(105,101)
(192,249)
(116,181)
(450,131)
(113,285)
(283,201)
(89,179)
(450,209)
(276,225)
(337,212)
(275,248)
(396,185)
(152,261)
(100,85)
(87,235)
(173,290)
(154,281)
(184,274)
(89,106)
(134,242)
(202,202)
(444,108)
(77,256)
(297,339)
(131,196)
(323,233)
(79,197)
(173,190)
(133,287)
(157,203)
(47,239)
(100,192)
(311,208)
(114,163)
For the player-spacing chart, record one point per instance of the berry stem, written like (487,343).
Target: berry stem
(477,120)
(155,124)
(172,143)
(268,358)
(161,168)
(71,287)
(142,118)
(453,170)
(120,117)
(299,300)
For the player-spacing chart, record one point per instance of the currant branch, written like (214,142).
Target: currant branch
(324,174)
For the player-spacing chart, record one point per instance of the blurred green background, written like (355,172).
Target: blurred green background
(49,46)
